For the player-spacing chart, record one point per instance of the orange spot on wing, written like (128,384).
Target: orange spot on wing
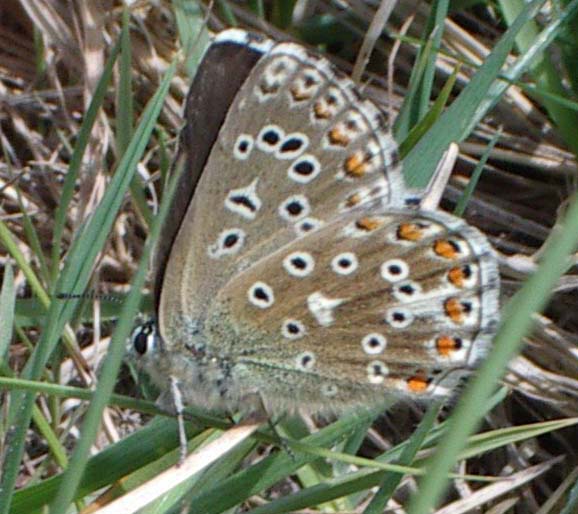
(418,383)
(446,248)
(356,165)
(457,277)
(299,94)
(409,232)
(353,200)
(445,345)
(368,224)
(321,111)
(455,309)
(269,88)
(338,137)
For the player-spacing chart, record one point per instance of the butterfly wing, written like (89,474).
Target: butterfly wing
(370,306)
(297,147)
(220,75)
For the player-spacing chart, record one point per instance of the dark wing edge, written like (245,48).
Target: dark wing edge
(227,63)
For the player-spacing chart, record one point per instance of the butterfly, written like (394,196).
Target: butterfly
(296,270)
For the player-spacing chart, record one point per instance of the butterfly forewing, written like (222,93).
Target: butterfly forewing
(297,148)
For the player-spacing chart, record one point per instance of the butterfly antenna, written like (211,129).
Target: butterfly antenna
(88,296)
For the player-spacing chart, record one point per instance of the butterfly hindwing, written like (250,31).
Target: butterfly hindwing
(400,302)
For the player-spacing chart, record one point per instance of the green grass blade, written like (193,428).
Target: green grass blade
(74,278)
(435,30)
(421,128)
(111,464)
(571,506)
(270,470)
(545,74)
(73,474)
(477,173)
(76,160)
(454,125)
(524,62)
(390,482)
(7,303)
(282,13)
(193,32)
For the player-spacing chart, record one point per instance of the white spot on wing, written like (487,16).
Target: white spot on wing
(406,291)
(321,307)
(329,390)
(294,208)
(398,317)
(269,138)
(307,225)
(292,146)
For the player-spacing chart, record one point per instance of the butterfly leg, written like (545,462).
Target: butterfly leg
(281,441)
(179,408)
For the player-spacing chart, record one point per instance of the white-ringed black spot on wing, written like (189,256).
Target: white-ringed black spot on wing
(406,291)
(243,146)
(307,225)
(299,264)
(292,146)
(294,208)
(399,317)
(305,361)
(261,295)
(293,329)
(229,242)
(269,138)
(394,270)
(345,263)
(376,372)
(374,343)
(304,169)
(244,201)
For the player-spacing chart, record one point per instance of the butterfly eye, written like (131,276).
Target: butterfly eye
(140,343)
(143,338)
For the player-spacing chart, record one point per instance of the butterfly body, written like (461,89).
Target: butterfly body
(299,275)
